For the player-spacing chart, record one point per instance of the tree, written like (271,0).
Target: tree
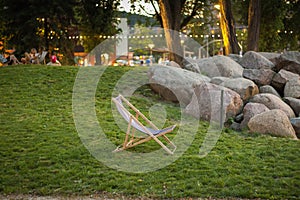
(95,19)
(279,23)
(53,24)
(39,23)
(173,16)
(254,16)
(290,35)
(228,28)
(171,22)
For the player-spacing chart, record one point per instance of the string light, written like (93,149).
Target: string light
(83,37)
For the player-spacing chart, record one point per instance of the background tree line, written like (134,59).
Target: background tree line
(271,25)
(56,24)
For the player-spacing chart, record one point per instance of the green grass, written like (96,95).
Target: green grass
(41,152)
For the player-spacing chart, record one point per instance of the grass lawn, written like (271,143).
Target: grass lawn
(41,152)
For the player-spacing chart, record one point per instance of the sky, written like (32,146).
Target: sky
(125,6)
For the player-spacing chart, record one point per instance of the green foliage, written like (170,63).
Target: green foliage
(42,154)
(279,27)
(56,24)
(37,24)
(96,18)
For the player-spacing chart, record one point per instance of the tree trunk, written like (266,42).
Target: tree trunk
(254,16)
(46,28)
(228,28)
(170,11)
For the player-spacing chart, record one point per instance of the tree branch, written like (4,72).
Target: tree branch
(187,19)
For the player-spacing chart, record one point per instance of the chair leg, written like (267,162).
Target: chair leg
(127,133)
(162,145)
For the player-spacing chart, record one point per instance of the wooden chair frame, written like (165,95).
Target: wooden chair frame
(130,139)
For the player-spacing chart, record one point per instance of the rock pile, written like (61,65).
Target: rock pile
(260,91)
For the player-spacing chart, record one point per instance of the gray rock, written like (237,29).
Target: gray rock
(239,118)
(250,110)
(174,84)
(294,104)
(191,65)
(237,58)
(253,60)
(296,125)
(273,102)
(268,89)
(292,88)
(280,79)
(173,64)
(270,56)
(206,103)
(259,76)
(274,122)
(218,66)
(289,61)
(244,87)
(219,80)
(235,126)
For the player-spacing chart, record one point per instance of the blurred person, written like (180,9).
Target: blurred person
(53,60)
(30,58)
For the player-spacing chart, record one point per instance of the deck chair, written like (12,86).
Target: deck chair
(42,57)
(150,130)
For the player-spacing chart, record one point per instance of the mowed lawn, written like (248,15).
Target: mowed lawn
(41,152)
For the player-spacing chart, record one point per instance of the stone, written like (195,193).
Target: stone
(296,125)
(244,87)
(292,88)
(294,104)
(259,76)
(290,61)
(173,64)
(236,57)
(253,60)
(239,118)
(219,80)
(269,89)
(273,102)
(218,66)
(280,79)
(174,84)
(206,103)
(250,110)
(270,56)
(191,65)
(235,126)
(273,122)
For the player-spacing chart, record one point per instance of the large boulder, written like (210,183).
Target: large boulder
(274,122)
(217,66)
(259,76)
(174,84)
(292,88)
(253,60)
(191,65)
(270,56)
(268,89)
(206,103)
(250,110)
(244,87)
(296,125)
(273,102)
(289,61)
(281,78)
(294,104)
(236,57)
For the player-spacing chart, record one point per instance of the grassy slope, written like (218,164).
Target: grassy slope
(41,152)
